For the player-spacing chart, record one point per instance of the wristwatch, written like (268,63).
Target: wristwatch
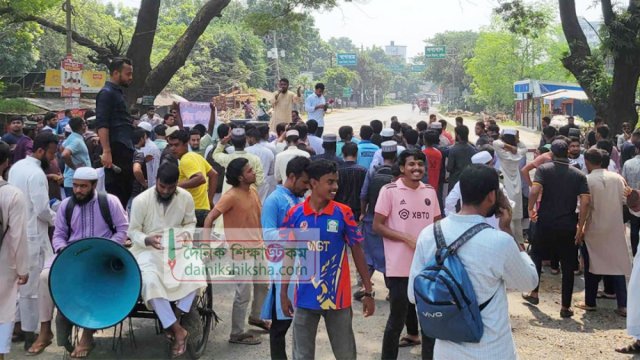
(368,294)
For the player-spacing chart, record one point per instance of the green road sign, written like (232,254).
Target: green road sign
(347,59)
(395,68)
(418,68)
(435,52)
(347,92)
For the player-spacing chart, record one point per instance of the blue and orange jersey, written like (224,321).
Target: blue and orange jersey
(327,234)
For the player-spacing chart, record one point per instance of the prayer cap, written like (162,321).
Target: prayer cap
(513,132)
(293,132)
(170,130)
(483,157)
(145,126)
(85,173)
(329,138)
(237,133)
(387,132)
(389,146)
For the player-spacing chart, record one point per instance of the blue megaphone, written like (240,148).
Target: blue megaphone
(95,283)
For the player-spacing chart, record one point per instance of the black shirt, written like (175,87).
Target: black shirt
(328,156)
(561,186)
(564,130)
(112,113)
(459,158)
(350,181)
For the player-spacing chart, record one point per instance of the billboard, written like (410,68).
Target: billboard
(90,81)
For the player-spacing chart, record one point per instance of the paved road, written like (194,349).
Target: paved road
(539,332)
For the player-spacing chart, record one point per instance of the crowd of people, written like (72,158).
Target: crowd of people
(376,194)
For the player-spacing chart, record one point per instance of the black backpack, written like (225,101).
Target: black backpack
(103,203)
(382,176)
(219,169)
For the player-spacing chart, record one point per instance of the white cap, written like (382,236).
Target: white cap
(85,173)
(483,157)
(170,130)
(146,126)
(513,132)
(387,132)
(293,132)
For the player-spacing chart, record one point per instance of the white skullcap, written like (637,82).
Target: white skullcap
(483,157)
(170,130)
(146,126)
(292,133)
(387,132)
(513,132)
(85,173)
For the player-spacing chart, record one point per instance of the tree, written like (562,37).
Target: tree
(337,78)
(450,72)
(148,79)
(613,97)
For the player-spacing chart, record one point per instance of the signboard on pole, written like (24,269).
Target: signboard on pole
(347,92)
(418,68)
(91,81)
(71,72)
(193,113)
(347,59)
(435,52)
(395,68)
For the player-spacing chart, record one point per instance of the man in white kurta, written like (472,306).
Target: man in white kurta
(510,156)
(153,214)
(28,176)
(14,264)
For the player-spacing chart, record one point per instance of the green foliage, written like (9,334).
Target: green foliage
(17,51)
(17,106)
(445,71)
(527,20)
(338,77)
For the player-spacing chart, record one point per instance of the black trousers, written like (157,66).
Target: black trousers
(401,312)
(278,332)
(120,184)
(558,243)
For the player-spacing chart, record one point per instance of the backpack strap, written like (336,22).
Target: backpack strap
(68,212)
(103,203)
(443,250)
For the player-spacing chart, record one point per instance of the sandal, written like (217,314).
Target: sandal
(407,342)
(531,299)
(604,295)
(84,352)
(566,313)
(555,271)
(39,350)
(585,307)
(182,349)
(245,339)
(264,325)
(621,312)
(630,349)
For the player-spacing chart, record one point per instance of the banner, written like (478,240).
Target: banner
(193,113)
(91,81)
(71,72)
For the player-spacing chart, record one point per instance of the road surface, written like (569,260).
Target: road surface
(539,332)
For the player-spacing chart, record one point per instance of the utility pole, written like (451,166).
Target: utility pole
(67,8)
(275,45)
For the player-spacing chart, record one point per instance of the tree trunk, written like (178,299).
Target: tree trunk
(140,48)
(622,97)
